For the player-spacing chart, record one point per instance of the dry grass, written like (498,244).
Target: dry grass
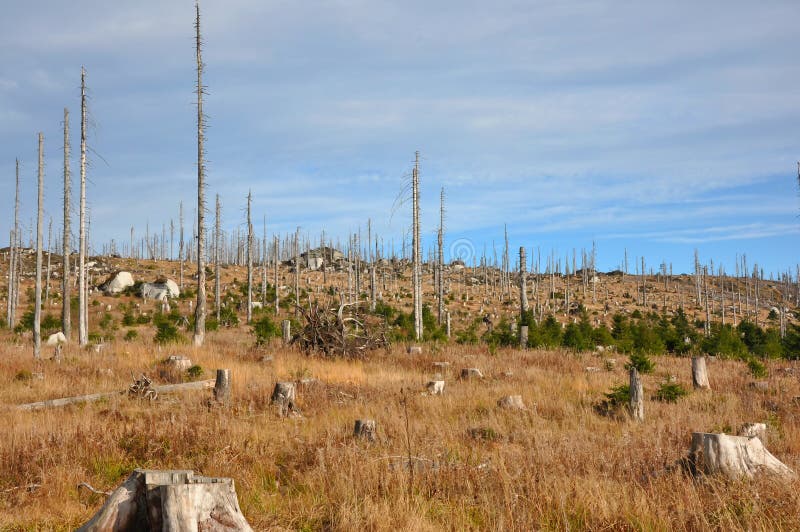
(557,465)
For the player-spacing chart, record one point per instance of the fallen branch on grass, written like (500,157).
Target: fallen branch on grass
(64,401)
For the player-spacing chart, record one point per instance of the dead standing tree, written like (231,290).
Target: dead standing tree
(13,276)
(66,325)
(249,260)
(417,254)
(200,308)
(83,326)
(217,232)
(37,311)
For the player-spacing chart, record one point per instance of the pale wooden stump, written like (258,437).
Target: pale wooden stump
(511,402)
(284,395)
(471,373)
(637,396)
(700,373)
(435,387)
(222,386)
(365,429)
(174,501)
(733,456)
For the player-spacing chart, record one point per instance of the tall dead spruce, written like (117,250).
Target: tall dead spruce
(200,308)
(37,310)
(417,254)
(83,315)
(65,247)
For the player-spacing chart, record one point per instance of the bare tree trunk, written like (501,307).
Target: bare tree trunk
(416,266)
(707,327)
(66,320)
(440,245)
(264,267)
(637,396)
(249,260)
(13,275)
(277,286)
(200,308)
(297,269)
(523,286)
(217,302)
(83,331)
(49,257)
(37,311)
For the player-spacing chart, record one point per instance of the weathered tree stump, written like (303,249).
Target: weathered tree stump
(365,429)
(414,350)
(435,387)
(222,386)
(284,396)
(441,367)
(700,373)
(753,430)
(523,337)
(471,373)
(511,402)
(286,328)
(733,456)
(170,501)
(637,396)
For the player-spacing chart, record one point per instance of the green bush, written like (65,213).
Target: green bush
(131,335)
(757,368)
(166,333)
(195,372)
(641,362)
(619,396)
(128,320)
(264,329)
(228,317)
(670,392)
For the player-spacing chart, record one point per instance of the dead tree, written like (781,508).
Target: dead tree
(180,243)
(200,308)
(249,260)
(13,277)
(636,396)
(49,258)
(264,266)
(66,321)
(83,326)
(217,302)
(277,287)
(440,245)
(37,311)
(416,252)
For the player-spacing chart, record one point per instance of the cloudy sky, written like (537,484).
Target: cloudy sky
(659,127)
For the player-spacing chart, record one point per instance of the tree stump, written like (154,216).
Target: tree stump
(365,429)
(222,386)
(471,373)
(523,337)
(733,456)
(700,373)
(286,328)
(414,350)
(284,396)
(435,387)
(637,396)
(753,430)
(511,402)
(174,501)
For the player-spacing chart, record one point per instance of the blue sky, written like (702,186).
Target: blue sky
(659,127)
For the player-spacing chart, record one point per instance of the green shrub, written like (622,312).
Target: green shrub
(131,335)
(228,317)
(128,320)
(757,368)
(670,392)
(264,329)
(195,372)
(166,333)
(619,396)
(641,362)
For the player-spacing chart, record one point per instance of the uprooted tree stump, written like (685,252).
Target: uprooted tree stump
(283,396)
(733,456)
(365,429)
(174,500)
(332,332)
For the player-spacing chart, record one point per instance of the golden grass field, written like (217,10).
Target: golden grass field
(558,465)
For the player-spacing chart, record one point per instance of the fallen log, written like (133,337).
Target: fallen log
(64,401)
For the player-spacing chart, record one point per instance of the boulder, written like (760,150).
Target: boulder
(117,283)
(56,338)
